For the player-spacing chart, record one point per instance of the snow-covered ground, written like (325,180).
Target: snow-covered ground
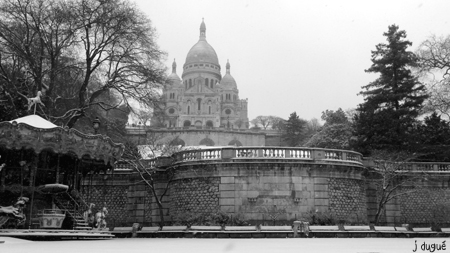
(185,245)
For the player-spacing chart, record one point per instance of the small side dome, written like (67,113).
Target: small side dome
(228,82)
(173,78)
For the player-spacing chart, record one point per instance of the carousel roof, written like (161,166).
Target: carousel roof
(38,134)
(35,121)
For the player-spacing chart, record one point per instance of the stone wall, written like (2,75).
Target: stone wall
(347,199)
(193,196)
(114,197)
(426,205)
(268,193)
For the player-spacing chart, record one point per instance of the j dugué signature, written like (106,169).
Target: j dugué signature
(432,247)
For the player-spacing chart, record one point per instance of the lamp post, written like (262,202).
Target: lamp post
(96,124)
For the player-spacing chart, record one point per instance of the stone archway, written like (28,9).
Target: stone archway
(235,143)
(178,142)
(206,142)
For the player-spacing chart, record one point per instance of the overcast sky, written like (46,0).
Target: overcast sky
(286,56)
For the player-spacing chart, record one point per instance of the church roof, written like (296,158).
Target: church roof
(202,52)
(228,82)
(173,77)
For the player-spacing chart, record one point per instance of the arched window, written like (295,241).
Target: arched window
(212,83)
(189,109)
(206,82)
(209,123)
(187,123)
(190,83)
(209,109)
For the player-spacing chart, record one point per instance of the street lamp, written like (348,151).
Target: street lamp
(96,124)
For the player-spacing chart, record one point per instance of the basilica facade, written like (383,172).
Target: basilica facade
(202,98)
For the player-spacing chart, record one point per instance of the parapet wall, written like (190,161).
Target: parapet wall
(268,185)
(271,185)
(268,192)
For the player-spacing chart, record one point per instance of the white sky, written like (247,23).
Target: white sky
(286,56)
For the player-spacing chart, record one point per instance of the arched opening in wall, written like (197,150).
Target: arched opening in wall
(186,123)
(190,83)
(209,123)
(209,110)
(206,142)
(198,123)
(189,109)
(235,143)
(206,82)
(212,83)
(177,142)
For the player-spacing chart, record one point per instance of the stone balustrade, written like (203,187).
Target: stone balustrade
(260,154)
(414,166)
(287,155)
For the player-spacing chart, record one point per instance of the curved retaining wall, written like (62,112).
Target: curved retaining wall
(268,185)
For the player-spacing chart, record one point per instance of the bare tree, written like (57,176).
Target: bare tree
(262,121)
(392,171)
(151,162)
(276,123)
(144,116)
(266,122)
(434,55)
(87,47)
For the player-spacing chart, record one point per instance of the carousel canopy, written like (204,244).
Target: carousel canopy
(52,188)
(35,121)
(38,134)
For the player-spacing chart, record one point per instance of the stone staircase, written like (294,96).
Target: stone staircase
(74,207)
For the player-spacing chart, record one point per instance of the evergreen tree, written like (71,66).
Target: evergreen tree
(391,102)
(433,139)
(335,133)
(294,130)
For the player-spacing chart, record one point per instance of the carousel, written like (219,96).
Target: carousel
(41,169)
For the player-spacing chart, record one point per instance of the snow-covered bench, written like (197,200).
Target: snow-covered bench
(205,231)
(424,232)
(386,231)
(122,231)
(147,232)
(277,231)
(239,231)
(325,231)
(359,231)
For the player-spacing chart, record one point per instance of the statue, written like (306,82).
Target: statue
(33,101)
(100,222)
(14,212)
(88,215)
